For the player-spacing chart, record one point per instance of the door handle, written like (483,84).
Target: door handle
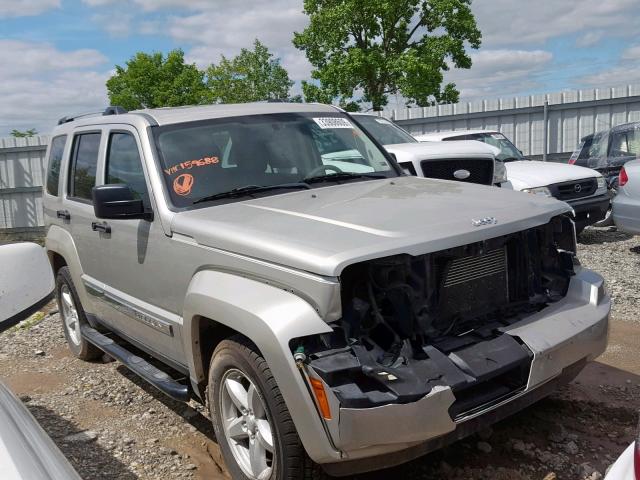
(103,227)
(63,214)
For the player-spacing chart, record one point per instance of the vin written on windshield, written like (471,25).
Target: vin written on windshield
(234,158)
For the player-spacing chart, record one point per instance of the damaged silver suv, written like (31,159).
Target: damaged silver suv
(332,313)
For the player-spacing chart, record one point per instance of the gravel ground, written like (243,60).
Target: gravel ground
(111,425)
(616,256)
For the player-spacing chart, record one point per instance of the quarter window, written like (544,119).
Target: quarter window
(124,164)
(55,159)
(85,163)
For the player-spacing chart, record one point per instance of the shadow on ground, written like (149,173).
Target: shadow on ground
(86,457)
(598,236)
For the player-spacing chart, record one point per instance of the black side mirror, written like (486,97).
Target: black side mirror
(116,201)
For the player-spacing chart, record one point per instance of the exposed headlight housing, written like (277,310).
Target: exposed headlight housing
(499,172)
(544,191)
(602,183)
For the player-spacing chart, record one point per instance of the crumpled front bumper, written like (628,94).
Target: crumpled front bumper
(562,337)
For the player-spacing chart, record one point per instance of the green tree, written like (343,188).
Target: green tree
(153,80)
(32,132)
(383,47)
(319,94)
(252,76)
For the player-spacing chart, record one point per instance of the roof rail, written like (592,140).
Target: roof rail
(112,110)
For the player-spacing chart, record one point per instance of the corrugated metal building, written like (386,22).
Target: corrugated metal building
(22,172)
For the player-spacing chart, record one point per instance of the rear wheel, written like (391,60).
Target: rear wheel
(252,424)
(73,316)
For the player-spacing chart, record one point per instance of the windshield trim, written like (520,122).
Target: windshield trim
(154,130)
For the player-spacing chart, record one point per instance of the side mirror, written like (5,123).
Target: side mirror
(116,201)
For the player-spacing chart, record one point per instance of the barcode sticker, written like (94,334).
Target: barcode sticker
(333,122)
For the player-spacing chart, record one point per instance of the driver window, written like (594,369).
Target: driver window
(124,164)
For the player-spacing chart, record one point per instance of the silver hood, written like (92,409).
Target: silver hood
(325,229)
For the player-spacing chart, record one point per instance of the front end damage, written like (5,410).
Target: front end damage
(426,343)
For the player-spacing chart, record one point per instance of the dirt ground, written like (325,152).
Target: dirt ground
(111,425)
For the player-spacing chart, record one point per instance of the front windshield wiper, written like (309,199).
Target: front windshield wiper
(341,176)
(249,189)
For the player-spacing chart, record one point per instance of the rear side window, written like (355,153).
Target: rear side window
(82,176)
(124,164)
(55,159)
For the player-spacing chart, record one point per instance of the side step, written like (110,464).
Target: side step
(137,365)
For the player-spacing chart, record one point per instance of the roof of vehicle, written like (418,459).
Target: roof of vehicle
(437,136)
(167,116)
(172,115)
(423,150)
(624,126)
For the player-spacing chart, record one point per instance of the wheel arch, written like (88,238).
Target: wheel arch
(219,304)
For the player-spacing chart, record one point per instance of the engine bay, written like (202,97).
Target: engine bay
(411,323)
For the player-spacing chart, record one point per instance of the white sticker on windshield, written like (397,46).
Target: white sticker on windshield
(333,122)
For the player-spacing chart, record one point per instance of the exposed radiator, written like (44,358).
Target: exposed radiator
(468,269)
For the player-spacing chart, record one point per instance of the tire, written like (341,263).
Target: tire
(237,362)
(73,316)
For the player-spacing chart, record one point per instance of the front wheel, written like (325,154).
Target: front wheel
(252,424)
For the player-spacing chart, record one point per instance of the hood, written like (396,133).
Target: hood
(426,150)
(325,229)
(532,174)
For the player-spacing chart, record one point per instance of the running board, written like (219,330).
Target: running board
(137,365)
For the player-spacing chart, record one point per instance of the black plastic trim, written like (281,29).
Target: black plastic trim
(137,365)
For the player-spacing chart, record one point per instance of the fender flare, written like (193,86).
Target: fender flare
(59,241)
(270,317)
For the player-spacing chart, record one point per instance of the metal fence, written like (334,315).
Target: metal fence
(546,125)
(540,125)
(22,173)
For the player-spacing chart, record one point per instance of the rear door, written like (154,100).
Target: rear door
(84,160)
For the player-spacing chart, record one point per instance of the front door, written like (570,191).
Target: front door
(136,253)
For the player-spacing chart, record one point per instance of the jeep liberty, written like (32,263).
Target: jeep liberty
(342,316)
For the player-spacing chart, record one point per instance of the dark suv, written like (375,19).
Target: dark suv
(609,150)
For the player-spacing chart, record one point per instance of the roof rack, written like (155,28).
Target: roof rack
(112,110)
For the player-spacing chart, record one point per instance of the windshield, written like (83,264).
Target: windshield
(508,151)
(213,157)
(580,155)
(384,131)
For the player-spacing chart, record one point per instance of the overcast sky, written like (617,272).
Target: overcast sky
(55,55)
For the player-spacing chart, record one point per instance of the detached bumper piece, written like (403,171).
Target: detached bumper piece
(137,365)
